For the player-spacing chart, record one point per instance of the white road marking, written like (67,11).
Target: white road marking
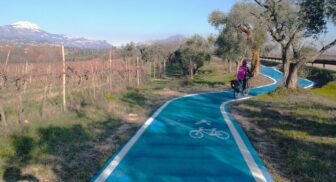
(118,158)
(203,122)
(256,171)
(252,165)
(200,132)
(309,86)
(111,167)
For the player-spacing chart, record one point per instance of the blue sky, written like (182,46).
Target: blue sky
(118,21)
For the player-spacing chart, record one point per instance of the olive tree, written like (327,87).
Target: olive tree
(230,45)
(192,54)
(289,22)
(240,20)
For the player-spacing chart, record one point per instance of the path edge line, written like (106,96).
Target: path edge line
(104,173)
(251,163)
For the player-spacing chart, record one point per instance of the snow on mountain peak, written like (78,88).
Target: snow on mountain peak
(26,25)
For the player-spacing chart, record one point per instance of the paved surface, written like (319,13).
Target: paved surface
(192,138)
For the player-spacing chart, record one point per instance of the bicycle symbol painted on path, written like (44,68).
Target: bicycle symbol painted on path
(201,132)
(198,134)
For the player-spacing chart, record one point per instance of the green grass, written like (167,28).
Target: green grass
(328,91)
(213,74)
(134,97)
(62,144)
(297,132)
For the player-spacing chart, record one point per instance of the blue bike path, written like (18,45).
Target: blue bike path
(192,138)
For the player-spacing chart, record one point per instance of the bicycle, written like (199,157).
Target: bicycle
(237,87)
(199,133)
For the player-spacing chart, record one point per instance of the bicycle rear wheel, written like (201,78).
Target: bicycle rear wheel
(236,94)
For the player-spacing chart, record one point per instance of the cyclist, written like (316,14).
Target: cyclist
(242,76)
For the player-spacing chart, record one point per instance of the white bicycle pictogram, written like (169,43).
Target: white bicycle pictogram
(198,134)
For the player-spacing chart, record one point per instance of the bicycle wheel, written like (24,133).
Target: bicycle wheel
(246,92)
(222,135)
(196,134)
(236,95)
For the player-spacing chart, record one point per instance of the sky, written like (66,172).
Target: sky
(119,21)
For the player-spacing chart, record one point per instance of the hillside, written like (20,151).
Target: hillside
(23,33)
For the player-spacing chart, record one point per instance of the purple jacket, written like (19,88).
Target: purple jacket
(242,71)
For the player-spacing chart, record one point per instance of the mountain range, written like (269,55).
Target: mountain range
(21,33)
(175,40)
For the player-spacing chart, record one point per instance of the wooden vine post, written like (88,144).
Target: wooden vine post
(64,81)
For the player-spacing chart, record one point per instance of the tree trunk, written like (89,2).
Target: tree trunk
(128,72)
(256,62)
(20,109)
(164,67)
(150,70)
(285,63)
(237,66)
(191,67)
(142,74)
(154,70)
(160,70)
(138,72)
(230,65)
(292,79)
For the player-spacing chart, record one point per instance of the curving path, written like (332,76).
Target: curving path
(192,138)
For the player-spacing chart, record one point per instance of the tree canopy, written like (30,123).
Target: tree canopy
(317,13)
(231,43)
(192,54)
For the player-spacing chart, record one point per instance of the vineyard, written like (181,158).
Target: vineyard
(36,77)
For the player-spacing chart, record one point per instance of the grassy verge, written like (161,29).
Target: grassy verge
(294,133)
(213,74)
(72,146)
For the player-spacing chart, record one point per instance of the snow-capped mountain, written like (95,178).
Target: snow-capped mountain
(29,33)
(26,26)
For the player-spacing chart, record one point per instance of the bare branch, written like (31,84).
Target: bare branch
(292,37)
(323,50)
(261,4)
(330,45)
